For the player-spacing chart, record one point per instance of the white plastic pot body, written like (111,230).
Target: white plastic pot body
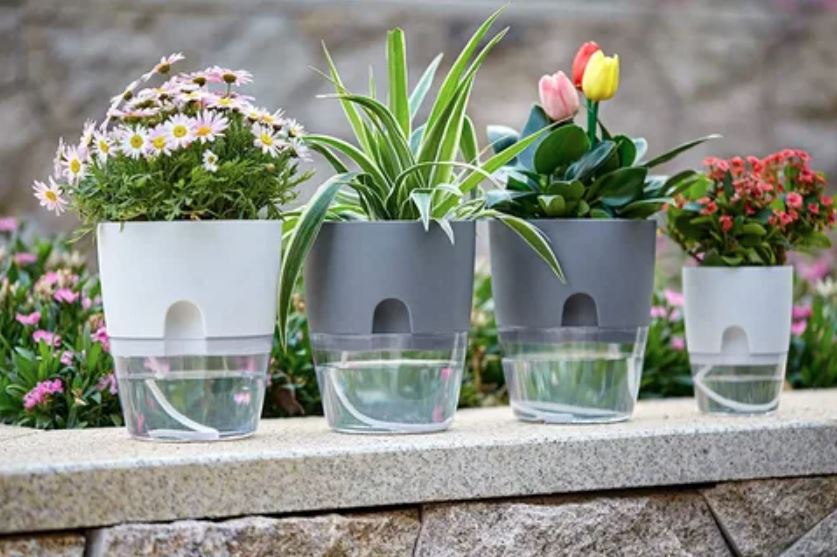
(738,333)
(196,299)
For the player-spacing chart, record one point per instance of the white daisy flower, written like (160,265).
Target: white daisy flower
(49,196)
(180,131)
(87,133)
(267,140)
(209,125)
(300,149)
(295,129)
(102,146)
(210,161)
(216,74)
(75,164)
(164,65)
(134,142)
(158,141)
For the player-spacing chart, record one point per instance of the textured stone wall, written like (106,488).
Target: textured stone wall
(786,517)
(758,71)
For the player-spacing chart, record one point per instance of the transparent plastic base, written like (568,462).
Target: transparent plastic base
(573,374)
(389,383)
(191,398)
(739,389)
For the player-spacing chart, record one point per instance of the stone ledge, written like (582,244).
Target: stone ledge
(86,478)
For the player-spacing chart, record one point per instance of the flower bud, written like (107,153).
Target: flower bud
(601,77)
(559,98)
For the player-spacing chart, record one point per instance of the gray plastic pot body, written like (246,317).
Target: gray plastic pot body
(365,278)
(609,268)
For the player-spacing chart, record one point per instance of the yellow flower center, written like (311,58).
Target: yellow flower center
(136,141)
(104,147)
(51,196)
(75,166)
(266,138)
(268,119)
(159,142)
(179,131)
(203,131)
(225,101)
(211,159)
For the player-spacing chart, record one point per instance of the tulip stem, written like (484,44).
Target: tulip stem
(592,120)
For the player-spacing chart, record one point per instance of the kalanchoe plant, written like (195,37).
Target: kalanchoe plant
(190,148)
(430,172)
(753,211)
(573,173)
(55,370)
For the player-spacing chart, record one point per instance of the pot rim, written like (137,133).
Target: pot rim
(719,268)
(176,223)
(589,221)
(391,222)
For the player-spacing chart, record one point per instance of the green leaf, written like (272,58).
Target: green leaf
(590,161)
(753,229)
(468,142)
(493,198)
(501,138)
(423,86)
(600,213)
(355,121)
(668,155)
(358,156)
(626,149)
(552,205)
(452,80)
(422,198)
(561,147)
(444,224)
(643,208)
(641,148)
(538,120)
(571,191)
(399,104)
(301,240)
(534,238)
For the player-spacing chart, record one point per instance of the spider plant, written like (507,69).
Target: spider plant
(401,169)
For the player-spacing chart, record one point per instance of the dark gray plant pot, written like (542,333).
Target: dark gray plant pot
(389,308)
(573,352)
(609,266)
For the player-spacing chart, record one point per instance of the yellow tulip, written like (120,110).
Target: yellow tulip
(601,77)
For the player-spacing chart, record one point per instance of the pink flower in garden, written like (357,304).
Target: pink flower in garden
(216,74)
(31,319)
(41,392)
(815,271)
(49,278)
(798,327)
(726,222)
(49,196)
(801,312)
(86,303)
(559,98)
(658,312)
(179,130)
(66,296)
(794,200)
(25,258)
(100,335)
(108,382)
(48,337)
(242,398)
(8,224)
(678,343)
(674,298)
(66,357)
(209,125)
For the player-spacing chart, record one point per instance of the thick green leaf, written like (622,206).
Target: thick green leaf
(423,86)
(563,146)
(399,104)
(643,208)
(753,229)
(668,155)
(501,138)
(538,120)
(641,148)
(534,238)
(590,161)
(572,191)
(553,205)
(493,198)
(626,149)
(620,187)
(301,240)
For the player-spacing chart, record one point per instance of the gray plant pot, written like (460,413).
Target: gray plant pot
(389,309)
(573,352)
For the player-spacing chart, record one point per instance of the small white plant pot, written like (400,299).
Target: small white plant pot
(190,309)
(738,333)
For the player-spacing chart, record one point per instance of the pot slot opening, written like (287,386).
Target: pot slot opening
(391,316)
(580,311)
(734,342)
(184,320)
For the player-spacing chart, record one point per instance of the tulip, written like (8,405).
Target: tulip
(601,77)
(559,98)
(580,61)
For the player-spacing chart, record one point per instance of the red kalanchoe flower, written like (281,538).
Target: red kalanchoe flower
(813,208)
(726,223)
(794,200)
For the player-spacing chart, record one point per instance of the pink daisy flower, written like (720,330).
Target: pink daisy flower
(180,130)
(209,125)
(65,295)
(158,141)
(8,224)
(28,319)
(24,258)
(267,140)
(49,196)
(48,337)
(74,164)
(164,65)
(217,74)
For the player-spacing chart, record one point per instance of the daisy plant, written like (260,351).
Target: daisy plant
(576,173)
(405,169)
(191,148)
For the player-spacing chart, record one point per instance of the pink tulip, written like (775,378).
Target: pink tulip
(559,98)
